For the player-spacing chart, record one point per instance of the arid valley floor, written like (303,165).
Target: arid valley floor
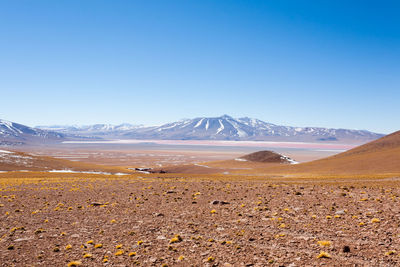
(245,214)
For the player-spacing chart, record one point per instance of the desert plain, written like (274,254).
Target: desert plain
(205,209)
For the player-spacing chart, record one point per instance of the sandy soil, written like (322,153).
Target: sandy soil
(155,221)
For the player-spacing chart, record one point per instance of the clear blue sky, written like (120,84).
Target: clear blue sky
(300,63)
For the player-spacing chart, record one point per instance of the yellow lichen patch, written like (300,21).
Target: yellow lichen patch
(280,235)
(210,259)
(90,242)
(329,217)
(324,243)
(213,211)
(172,248)
(69,246)
(131,254)
(375,220)
(391,252)
(113,221)
(98,246)
(119,252)
(140,242)
(16,228)
(176,239)
(118,246)
(181,258)
(323,254)
(74,264)
(87,255)
(39,231)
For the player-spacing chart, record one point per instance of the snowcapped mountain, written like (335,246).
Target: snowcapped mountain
(216,128)
(219,128)
(92,130)
(12,133)
(228,128)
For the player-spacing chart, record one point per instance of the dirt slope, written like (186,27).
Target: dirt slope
(16,161)
(381,156)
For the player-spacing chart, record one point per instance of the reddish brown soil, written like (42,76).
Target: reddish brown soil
(261,222)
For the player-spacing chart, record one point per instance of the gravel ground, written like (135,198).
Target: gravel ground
(178,222)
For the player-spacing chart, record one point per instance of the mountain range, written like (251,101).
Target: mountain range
(12,133)
(216,128)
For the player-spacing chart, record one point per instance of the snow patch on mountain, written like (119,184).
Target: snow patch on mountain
(221,128)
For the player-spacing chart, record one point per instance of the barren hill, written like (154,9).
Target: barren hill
(381,156)
(267,156)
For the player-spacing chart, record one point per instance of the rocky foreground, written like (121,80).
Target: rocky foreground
(174,222)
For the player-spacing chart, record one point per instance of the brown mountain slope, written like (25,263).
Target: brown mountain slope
(267,156)
(381,156)
(17,161)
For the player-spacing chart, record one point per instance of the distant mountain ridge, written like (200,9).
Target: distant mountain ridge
(93,130)
(12,133)
(219,128)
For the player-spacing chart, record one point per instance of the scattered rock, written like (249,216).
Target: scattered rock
(346,249)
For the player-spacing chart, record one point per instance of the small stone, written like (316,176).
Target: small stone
(346,249)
